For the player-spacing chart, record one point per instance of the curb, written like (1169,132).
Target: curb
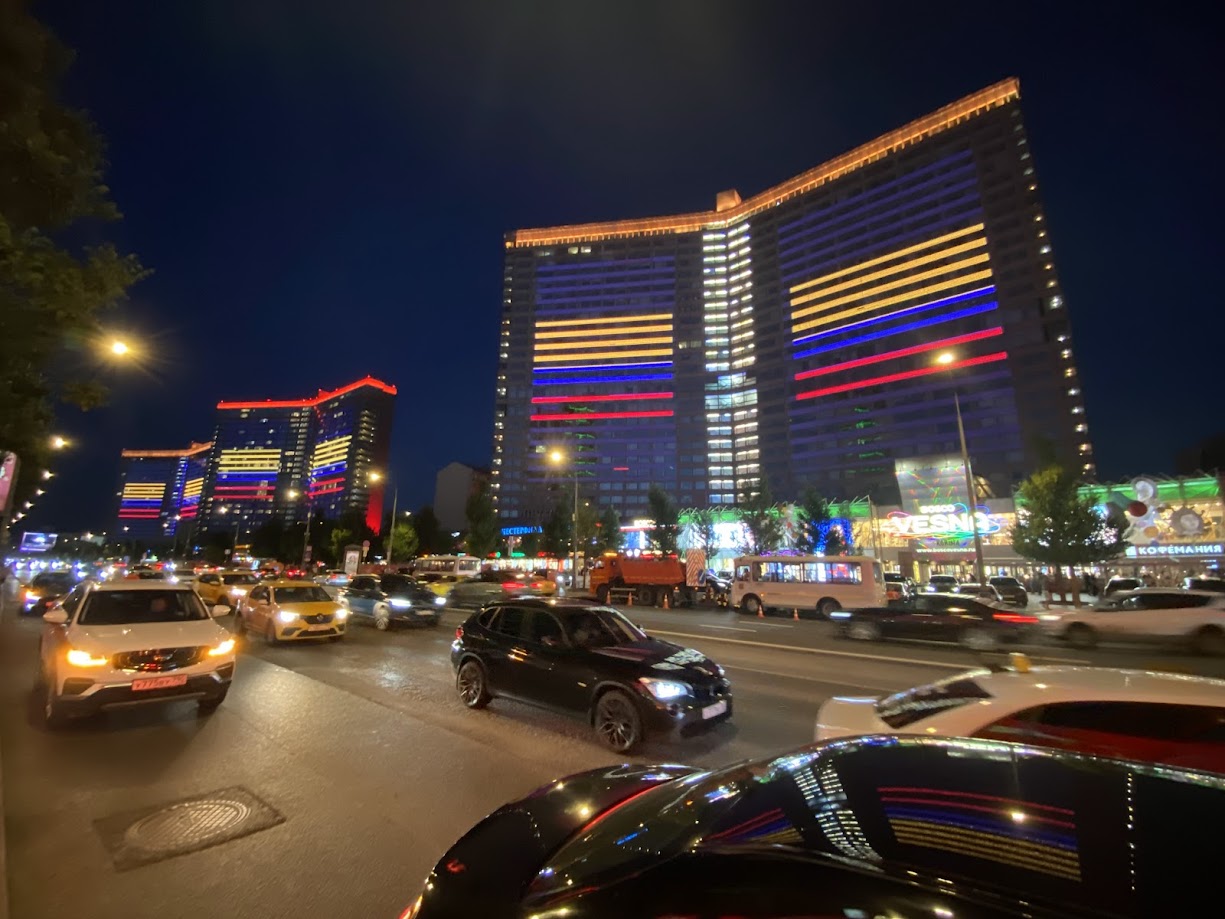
(4,875)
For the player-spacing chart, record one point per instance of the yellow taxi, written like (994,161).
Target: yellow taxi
(290,611)
(225,587)
(440,584)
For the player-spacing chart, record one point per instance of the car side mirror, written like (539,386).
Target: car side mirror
(57,616)
(217,610)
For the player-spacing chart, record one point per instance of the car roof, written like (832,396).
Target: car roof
(1181,591)
(1063,683)
(561,606)
(144,584)
(289,582)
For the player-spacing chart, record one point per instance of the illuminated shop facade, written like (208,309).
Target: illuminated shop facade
(793,335)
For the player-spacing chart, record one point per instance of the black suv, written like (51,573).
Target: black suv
(588,660)
(1012,590)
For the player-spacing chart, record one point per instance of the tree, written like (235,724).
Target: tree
(1058,526)
(821,532)
(763,528)
(433,541)
(666,521)
(340,538)
(404,542)
(51,295)
(555,540)
(483,533)
(588,527)
(609,537)
(705,537)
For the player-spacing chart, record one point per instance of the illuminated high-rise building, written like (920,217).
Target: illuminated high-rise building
(794,335)
(274,460)
(159,492)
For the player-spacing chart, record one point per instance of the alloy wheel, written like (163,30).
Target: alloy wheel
(616,722)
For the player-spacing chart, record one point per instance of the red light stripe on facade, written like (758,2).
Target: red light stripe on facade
(309,403)
(907,375)
(902,352)
(621,468)
(339,480)
(616,397)
(601,416)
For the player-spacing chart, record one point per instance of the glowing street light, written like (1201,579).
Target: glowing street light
(946,359)
(47,473)
(58,442)
(376,476)
(119,348)
(558,458)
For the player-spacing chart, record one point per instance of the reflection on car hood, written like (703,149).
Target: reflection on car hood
(664,659)
(137,637)
(312,608)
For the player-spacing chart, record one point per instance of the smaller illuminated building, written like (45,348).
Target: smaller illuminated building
(159,491)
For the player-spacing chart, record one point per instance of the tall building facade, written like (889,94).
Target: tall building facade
(454,484)
(159,492)
(795,336)
(275,460)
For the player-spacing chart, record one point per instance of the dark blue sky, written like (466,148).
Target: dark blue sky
(321,188)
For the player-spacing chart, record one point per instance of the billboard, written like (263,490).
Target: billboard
(931,480)
(935,507)
(38,542)
(8,477)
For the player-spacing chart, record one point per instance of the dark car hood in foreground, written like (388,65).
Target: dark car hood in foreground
(662,659)
(870,826)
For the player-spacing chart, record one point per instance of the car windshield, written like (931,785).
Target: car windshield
(134,607)
(241,579)
(911,705)
(53,579)
(1005,582)
(401,586)
(300,595)
(601,628)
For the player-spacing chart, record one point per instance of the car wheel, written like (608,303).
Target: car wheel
(864,631)
(270,634)
(470,681)
(382,617)
(1209,640)
(208,706)
(601,593)
(979,640)
(827,606)
(240,624)
(751,605)
(54,715)
(1079,635)
(646,596)
(617,722)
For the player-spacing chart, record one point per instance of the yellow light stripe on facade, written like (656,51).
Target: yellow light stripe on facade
(888,257)
(890,301)
(890,285)
(249,461)
(622,343)
(144,490)
(887,272)
(604,320)
(633,330)
(601,355)
(193,487)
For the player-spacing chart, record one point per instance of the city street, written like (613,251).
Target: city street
(372,764)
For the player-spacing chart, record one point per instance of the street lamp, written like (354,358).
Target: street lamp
(237,524)
(557,458)
(376,476)
(119,348)
(946,359)
(58,442)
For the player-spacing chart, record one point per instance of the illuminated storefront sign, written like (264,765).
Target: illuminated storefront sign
(521,531)
(941,521)
(1192,549)
(38,542)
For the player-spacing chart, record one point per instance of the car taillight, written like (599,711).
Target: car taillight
(1018,618)
(509,585)
(459,633)
(537,584)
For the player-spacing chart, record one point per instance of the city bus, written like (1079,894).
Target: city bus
(458,567)
(807,583)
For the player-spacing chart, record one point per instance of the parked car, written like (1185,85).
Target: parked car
(974,589)
(287,610)
(940,584)
(130,642)
(898,586)
(333,578)
(1010,590)
(1216,585)
(589,661)
(225,587)
(878,826)
(391,599)
(493,586)
(1150,615)
(46,589)
(1118,585)
(980,625)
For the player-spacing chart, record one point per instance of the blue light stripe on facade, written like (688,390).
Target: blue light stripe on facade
(908,327)
(910,310)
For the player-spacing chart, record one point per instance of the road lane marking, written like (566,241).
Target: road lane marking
(732,628)
(732,668)
(948,665)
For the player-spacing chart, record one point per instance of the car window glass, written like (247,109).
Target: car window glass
(133,607)
(486,618)
(1133,603)
(72,600)
(541,625)
(259,593)
(510,623)
(361,583)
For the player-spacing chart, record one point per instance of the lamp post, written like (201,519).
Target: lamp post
(237,524)
(946,360)
(557,458)
(292,495)
(395,502)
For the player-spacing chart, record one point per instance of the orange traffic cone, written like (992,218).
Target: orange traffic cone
(666,603)
(761,611)
(795,614)
(629,599)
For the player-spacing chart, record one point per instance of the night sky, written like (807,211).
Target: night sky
(321,188)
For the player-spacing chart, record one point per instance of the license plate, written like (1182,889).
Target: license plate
(712,711)
(159,682)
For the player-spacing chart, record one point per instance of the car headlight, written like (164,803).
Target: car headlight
(1050,618)
(286,616)
(440,601)
(224,648)
(664,690)
(400,603)
(238,591)
(78,658)
(341,615)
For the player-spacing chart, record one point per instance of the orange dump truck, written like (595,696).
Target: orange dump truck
(651,578)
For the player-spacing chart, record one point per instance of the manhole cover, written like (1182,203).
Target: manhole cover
(155,833)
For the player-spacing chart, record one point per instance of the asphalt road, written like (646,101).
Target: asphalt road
(365,752)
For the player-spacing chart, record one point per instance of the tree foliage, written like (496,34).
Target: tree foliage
(704,536)
(666,526)
(483,533)
(339,538)
(763,527)
(404,541)
(820,529)
(52,296)
(433,540)
(555,540)
(609,537)
(1057,526)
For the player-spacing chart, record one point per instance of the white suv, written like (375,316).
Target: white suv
(1150,615)
(128,643)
